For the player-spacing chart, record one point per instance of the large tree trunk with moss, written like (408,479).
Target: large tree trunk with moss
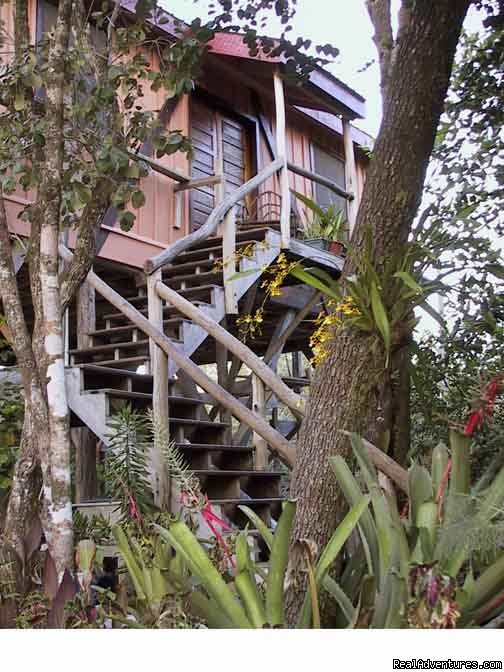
(348,386)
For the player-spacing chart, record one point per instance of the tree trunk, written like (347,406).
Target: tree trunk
(58,492)
(347,388)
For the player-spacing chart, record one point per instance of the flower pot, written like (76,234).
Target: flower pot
(337,248)
(317,243)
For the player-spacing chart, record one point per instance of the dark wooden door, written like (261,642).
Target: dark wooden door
(220,145)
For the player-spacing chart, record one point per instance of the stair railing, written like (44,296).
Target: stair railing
(214,219)
(277,443)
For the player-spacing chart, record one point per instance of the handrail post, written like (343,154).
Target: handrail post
(259,408)
(229,261)
(159,369)
(350,174)
(282,152)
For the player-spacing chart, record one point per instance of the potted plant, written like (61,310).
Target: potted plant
(324,227)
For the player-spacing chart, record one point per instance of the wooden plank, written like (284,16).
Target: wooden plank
(229,257)
(159,167)
(221,358)
(350,174)
(159,370)
(259,407)
(282,151)
(86,477)
(198,183)
(320,179)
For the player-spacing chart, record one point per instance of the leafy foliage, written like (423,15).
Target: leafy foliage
(11,424)
(126,463)
(325,223)
(441,565)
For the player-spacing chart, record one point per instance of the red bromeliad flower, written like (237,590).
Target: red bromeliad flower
(487,408)
(133,509)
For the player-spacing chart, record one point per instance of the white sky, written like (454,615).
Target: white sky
(343,23)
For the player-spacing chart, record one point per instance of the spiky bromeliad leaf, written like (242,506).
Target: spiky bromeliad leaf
(126,462)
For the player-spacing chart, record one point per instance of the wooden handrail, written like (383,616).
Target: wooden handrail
(256,364)
(159,167)
(324,181)
(198,182)
(215,217)
(278,444)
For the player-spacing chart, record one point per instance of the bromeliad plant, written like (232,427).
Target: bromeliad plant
(439,565)
(254,597)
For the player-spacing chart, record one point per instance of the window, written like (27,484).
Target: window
(332,167)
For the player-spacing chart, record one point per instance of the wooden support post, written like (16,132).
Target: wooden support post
(221,357)
(350,174)
(179,197)
(259,408)
(282,153)
(159,369)
(83,439)
(229,261)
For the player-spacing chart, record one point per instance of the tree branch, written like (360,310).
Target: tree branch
(85,249)
(379,13)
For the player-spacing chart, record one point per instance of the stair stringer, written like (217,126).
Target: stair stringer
(90,408)
(265,252)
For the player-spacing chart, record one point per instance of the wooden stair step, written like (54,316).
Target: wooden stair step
(97,349)
(126,394)
(112,331)
(293,381)
(180,268)
(238,473)
(167,310)
(122,345)
(209,276)
(256,233)
(255,501)
(218,447)
(111,372)
(210,424)
(121,364)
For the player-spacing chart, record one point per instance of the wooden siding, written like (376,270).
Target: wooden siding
(155,227)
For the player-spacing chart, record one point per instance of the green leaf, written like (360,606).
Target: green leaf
(259,523)
(409,281)
(331,551)
(353,494)
(133,171)
(380,317)
(19,101)
(137,199)
(309,279)
(183,541)
(310,203)
(496,270)
(126,220)
(278,565)
(419,488)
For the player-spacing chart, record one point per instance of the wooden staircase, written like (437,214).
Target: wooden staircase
(114,371)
